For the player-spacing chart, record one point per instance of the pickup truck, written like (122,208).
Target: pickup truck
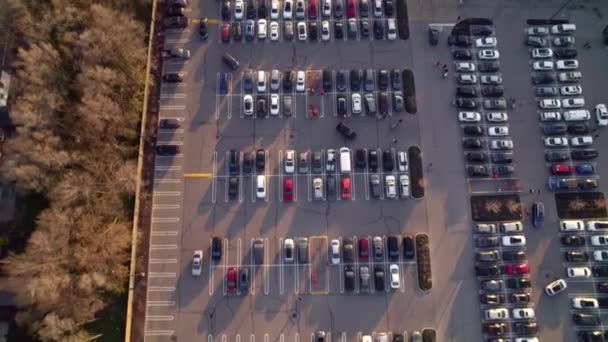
(176,53)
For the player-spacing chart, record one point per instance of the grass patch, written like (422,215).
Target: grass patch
(492,208)
(580,205)
(111,322)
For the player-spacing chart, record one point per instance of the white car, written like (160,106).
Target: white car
(287,9)
(485,42)
(542,65)
(555,287)
(601,255)
(302,35)
(501,144)
(274,10)
(327,8)
(248,105)
(366,338)
(335,251)
(262,29)
(465,67)
(523,313)
(595,226)
(575,102)
(556,142)
(497,314)
(274,104)
(469,117)
(391,187)
(599,240)
(325,35)
(585,303)
(330,160)
(466,78)
(274,31)
(514,240)
(377,8)
(395,281)
(261,81)
(260,187)
(571,226)
(585,140)
(290,162)
(571,90)
(197,263)
(238,9)
(601,113)
(549,104)
(541,53)
(511,227)
(391,29)
(288,245)
(567,64)
(488,54)
(526,339)
(356,103)
(301,81)
(497,117)
(550,116)
(537,31)
(317,185)
(498,131)
(578,272)
(404,185)
(491,79)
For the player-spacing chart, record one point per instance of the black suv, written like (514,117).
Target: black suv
(216,248)
(233,163)
(360,159)
(392,243)
(584,154)
(372,156)
(488,66)
(388,162)
(355,80)
(408,247)
(260,160)
(327,80)
(475,130)
(466,91)
(462,54)
(493,91)
(383,79)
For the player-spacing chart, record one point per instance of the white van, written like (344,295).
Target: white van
(577,115)
(260,187)
(345,160)
(563,29)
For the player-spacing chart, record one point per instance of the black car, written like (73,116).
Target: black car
(327,80)
(462,54)
(355,80)
(493,91)
(573,240)
(247,163)
(466,91)
(226,10)
(546,91)
(466,103)
(383,79)
(261,109)
(379,278)
(585,319)
(262,9)
(167,150)
(317,162)
(556,156)
(543,77)
(233,187)
(260,160)
(313,31)
(251,11)
(513,255)
(462,41)
(495,329)
(389,8)
(175,22)
(535,41)
(555,129)
(360,159)
(474,130)
(378,30)
(341,80)
(476,157)
(383,104)
(586,154)
(287,80)
(229,60)
(396,80)
(237,31)
(173,77)
(341,105)
(519,298)
(330,181)
(202,28)
(346,131)
(602,286)
(348,251)
(233,162)
(392,246)
(248,81)
(578,129)
(243,279)
(169,123)
(338,30)
(364,27)
(488,66)
(587,184)
(538,214)
(492,299)
(490,241)
(591,336)
(503,170)
(599,271)
(576,256)
(525,328)
(502,158)
(372,158)
(433,36)
(349,278)
(216,248)
(482,30)
(518,283)
(487,271)
(408,247)
(388,161)
(565,53)
(398,338)
(472,143)
(351,29)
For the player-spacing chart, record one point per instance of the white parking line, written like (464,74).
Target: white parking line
(211,272)
(172,107)
(164,233)
(162,274)
(213,179)
(159,318)
(281,281)
(161,288)
(160,303)
(265,268)
(159,332)
(166,193)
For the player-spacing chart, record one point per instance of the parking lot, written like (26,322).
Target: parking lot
(283,301)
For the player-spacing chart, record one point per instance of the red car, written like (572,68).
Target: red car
(345,187)
(561,169)
(516,269)
(231,279)
(225,32)
(288,189)
(363,248)
(351,9)
(312,9)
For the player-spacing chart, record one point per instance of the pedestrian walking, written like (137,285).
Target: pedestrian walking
(458,19)
(445,74)
(445,67)
(596,136)
(394,140)
(437,63)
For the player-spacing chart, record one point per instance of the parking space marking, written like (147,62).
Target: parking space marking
(225,243)
(253,267)
(160,303)
(164,233)
(161,288)
(165,219)
(265,267)
(213,180)
(172,107)
(162,274)
(356,259)
(279,187)
(281,273)
(229,95)
(159,318)
(159,332)
(211,272)
(167,181)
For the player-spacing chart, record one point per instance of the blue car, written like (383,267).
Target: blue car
(558,184)
(585,169)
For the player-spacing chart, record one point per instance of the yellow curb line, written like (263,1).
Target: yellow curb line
(198,175)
